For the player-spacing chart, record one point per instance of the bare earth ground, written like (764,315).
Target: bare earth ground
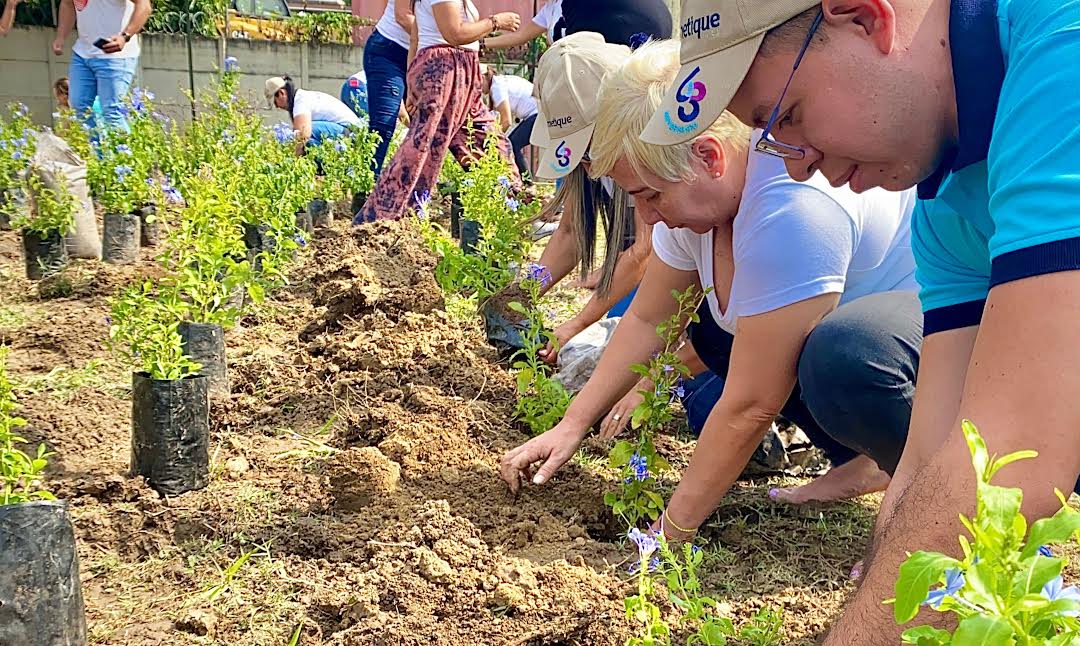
(354,496)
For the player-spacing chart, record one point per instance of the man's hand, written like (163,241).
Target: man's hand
(114,44)
(58,46)
(620,414)
(553,448)
(563,334)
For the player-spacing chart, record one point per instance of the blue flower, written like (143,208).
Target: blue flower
(284,132)
(679,390)
(339,146)
(150,182)
(123,149)
(422,200)
(504,181)
(122,172)
(300,240)
(1055,592)
(173,196)
(653,564)
(646,541)
(21,110)
(954,582)
(1045,551)
(231,64)
(640,465)
(512,204)
(536,271)
(17,155)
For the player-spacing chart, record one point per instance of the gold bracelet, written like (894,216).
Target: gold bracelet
(667,519)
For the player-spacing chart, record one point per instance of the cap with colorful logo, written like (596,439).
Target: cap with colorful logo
(719,42)
(566,87)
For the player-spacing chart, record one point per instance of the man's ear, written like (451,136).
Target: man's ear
(873,19)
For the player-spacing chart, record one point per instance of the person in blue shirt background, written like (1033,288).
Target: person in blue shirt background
(975,103)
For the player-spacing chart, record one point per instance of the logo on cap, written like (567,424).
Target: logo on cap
(689,96)
(562,154)
(562,158)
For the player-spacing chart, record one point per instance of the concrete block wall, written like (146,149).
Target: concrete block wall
(28,68)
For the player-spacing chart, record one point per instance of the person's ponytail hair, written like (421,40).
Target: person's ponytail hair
(290,91)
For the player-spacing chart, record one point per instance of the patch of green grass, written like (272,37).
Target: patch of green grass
(460,308)
(13,317)
(63,382)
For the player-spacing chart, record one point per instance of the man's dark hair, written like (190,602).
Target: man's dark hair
(290,91)
(789,36)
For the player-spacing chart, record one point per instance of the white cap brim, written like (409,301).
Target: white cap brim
(562,156)
(719,76)
(539,136)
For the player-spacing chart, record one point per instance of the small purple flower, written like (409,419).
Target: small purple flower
(640,465)
(646,541)
(954,582)
(300,240)
(122,172)
(504,181)
(150,182)
(173,196)
(536,271)
(512,204)
(422,201)
(653,564)
(123,149)
(231,64)
(679,390)
(1045,551)
(17,155)
(284,132)
(339,146)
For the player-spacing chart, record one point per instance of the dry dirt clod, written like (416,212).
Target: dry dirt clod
(197,622)
(508,595)
(431,567)
(359,477)
(237,466)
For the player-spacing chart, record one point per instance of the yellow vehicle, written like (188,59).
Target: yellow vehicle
(257,20)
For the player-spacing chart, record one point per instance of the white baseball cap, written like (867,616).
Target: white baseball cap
(271,87)
(720,39)
(567,88)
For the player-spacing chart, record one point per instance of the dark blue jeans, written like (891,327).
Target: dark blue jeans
(856,377)
(385,63)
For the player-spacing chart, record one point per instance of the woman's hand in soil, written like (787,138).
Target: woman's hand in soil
(671,533)
(620,413)
(553,448)
(563,334)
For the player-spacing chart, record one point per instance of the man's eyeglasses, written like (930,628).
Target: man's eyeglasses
(767,144)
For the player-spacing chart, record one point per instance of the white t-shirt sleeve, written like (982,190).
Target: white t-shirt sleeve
(301,104)
(800,246)
(547,17)
(499,92)
(672,248)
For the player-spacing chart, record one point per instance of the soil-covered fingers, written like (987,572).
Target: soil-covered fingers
(549,354)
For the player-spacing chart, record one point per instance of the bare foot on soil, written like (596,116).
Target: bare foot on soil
(855,478)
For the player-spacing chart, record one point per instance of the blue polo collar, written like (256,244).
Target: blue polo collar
(978,72)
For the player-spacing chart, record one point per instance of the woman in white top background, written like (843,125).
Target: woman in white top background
(445,95)
(316,116)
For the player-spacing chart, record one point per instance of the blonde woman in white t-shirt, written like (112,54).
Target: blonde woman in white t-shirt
(812,310)
(445,90)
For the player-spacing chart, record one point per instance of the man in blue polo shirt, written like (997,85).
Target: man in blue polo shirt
(977,103)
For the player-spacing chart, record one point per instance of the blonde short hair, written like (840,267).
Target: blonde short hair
(628,97)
